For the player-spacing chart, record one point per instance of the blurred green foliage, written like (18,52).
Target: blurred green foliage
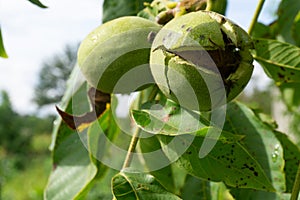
(24,156)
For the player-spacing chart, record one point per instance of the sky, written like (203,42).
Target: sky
(33,35)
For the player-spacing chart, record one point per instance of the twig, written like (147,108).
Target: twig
(255,17)
(135,136)
(131,149)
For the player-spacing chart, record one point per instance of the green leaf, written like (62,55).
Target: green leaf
(291,157)
(167,174)
(219,191)
(218,6)
(270,147)
(142,117)
(130,186)
(250,194)
(164,173)
(239,168)
(117,8)
(260,30)
(101,188)
(287,11)
(290,93)
(73,170)
(296,29)
(195,188)
(238,154)
(265,118)
(167,118)
(2,49)
(38,3)
(75,85)
(108,139)
(264,31)
(260,141)
(101,136)
(281,61)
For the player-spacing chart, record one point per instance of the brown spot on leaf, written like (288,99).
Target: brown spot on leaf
(223,20)
(201,37)
(189,29)
(280,75)
(282,68)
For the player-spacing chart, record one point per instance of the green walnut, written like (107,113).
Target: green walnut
(113,49)
(201,60)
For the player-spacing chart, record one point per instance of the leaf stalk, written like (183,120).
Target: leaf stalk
(135,136)
(256,15)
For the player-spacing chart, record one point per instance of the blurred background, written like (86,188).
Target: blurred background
(42,46)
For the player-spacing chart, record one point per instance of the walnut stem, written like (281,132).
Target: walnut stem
(135,136)
(255,17)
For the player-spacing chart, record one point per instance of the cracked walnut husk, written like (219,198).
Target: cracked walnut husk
(201,60)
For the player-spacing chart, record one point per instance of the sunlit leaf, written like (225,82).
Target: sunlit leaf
(73,170)
(219,191)
(3,53)
(75,85)
(38,3)
(239,168)
(291,157)
(290,94)
(139,186)
(281,61)
(168,118)
(117,8)
(98,131)
(260,141)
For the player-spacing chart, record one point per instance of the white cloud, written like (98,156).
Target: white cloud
(32,34)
